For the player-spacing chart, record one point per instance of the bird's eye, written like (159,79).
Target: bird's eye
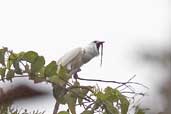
(94,41)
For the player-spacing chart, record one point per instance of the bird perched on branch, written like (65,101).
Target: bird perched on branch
(75,58)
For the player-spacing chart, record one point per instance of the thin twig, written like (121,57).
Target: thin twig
(89,106)
(116,82)
(127,86)
(127,81)
(142,94)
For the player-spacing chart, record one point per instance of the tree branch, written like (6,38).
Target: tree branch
(116,82)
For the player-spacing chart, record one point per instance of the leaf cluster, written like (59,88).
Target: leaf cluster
(31,64)
(92,99)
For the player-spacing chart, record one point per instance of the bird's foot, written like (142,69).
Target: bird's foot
(75,76)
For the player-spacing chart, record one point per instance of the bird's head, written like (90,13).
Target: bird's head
(98,44)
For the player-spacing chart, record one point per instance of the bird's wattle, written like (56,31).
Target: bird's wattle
(98,46)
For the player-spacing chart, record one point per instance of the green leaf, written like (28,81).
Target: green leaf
(97,104)
(9,63)
(76,89)
(12,58)
(38,76)
(110,108)
(71,101)
(76,84)
(2,73)
(62,100)
(10,74)
(51,69)
(63,112)
(41,72)
(59,93)
(2,56)
(63,73)
(37,79)
(30,56)
(101,96)
(20,55)
(139,111)
(124,104)
(83,93)
(112,94)
(62,76)
(57,80)
(87,112)
(37,64)
(54,79)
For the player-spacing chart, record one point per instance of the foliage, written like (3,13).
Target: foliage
(92,99)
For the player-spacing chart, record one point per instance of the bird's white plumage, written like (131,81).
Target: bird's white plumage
(90,52)
(72,59)
(75,58)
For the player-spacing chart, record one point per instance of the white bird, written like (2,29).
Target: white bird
(77,57)
(73,60)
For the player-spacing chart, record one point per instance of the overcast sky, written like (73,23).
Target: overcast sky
(55,27)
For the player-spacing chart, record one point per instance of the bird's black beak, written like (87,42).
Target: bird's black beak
(99,43)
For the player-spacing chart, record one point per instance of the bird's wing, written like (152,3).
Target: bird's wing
(70,56)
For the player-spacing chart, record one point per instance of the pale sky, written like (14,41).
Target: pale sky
(54,27)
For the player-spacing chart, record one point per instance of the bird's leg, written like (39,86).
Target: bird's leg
(75,74)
